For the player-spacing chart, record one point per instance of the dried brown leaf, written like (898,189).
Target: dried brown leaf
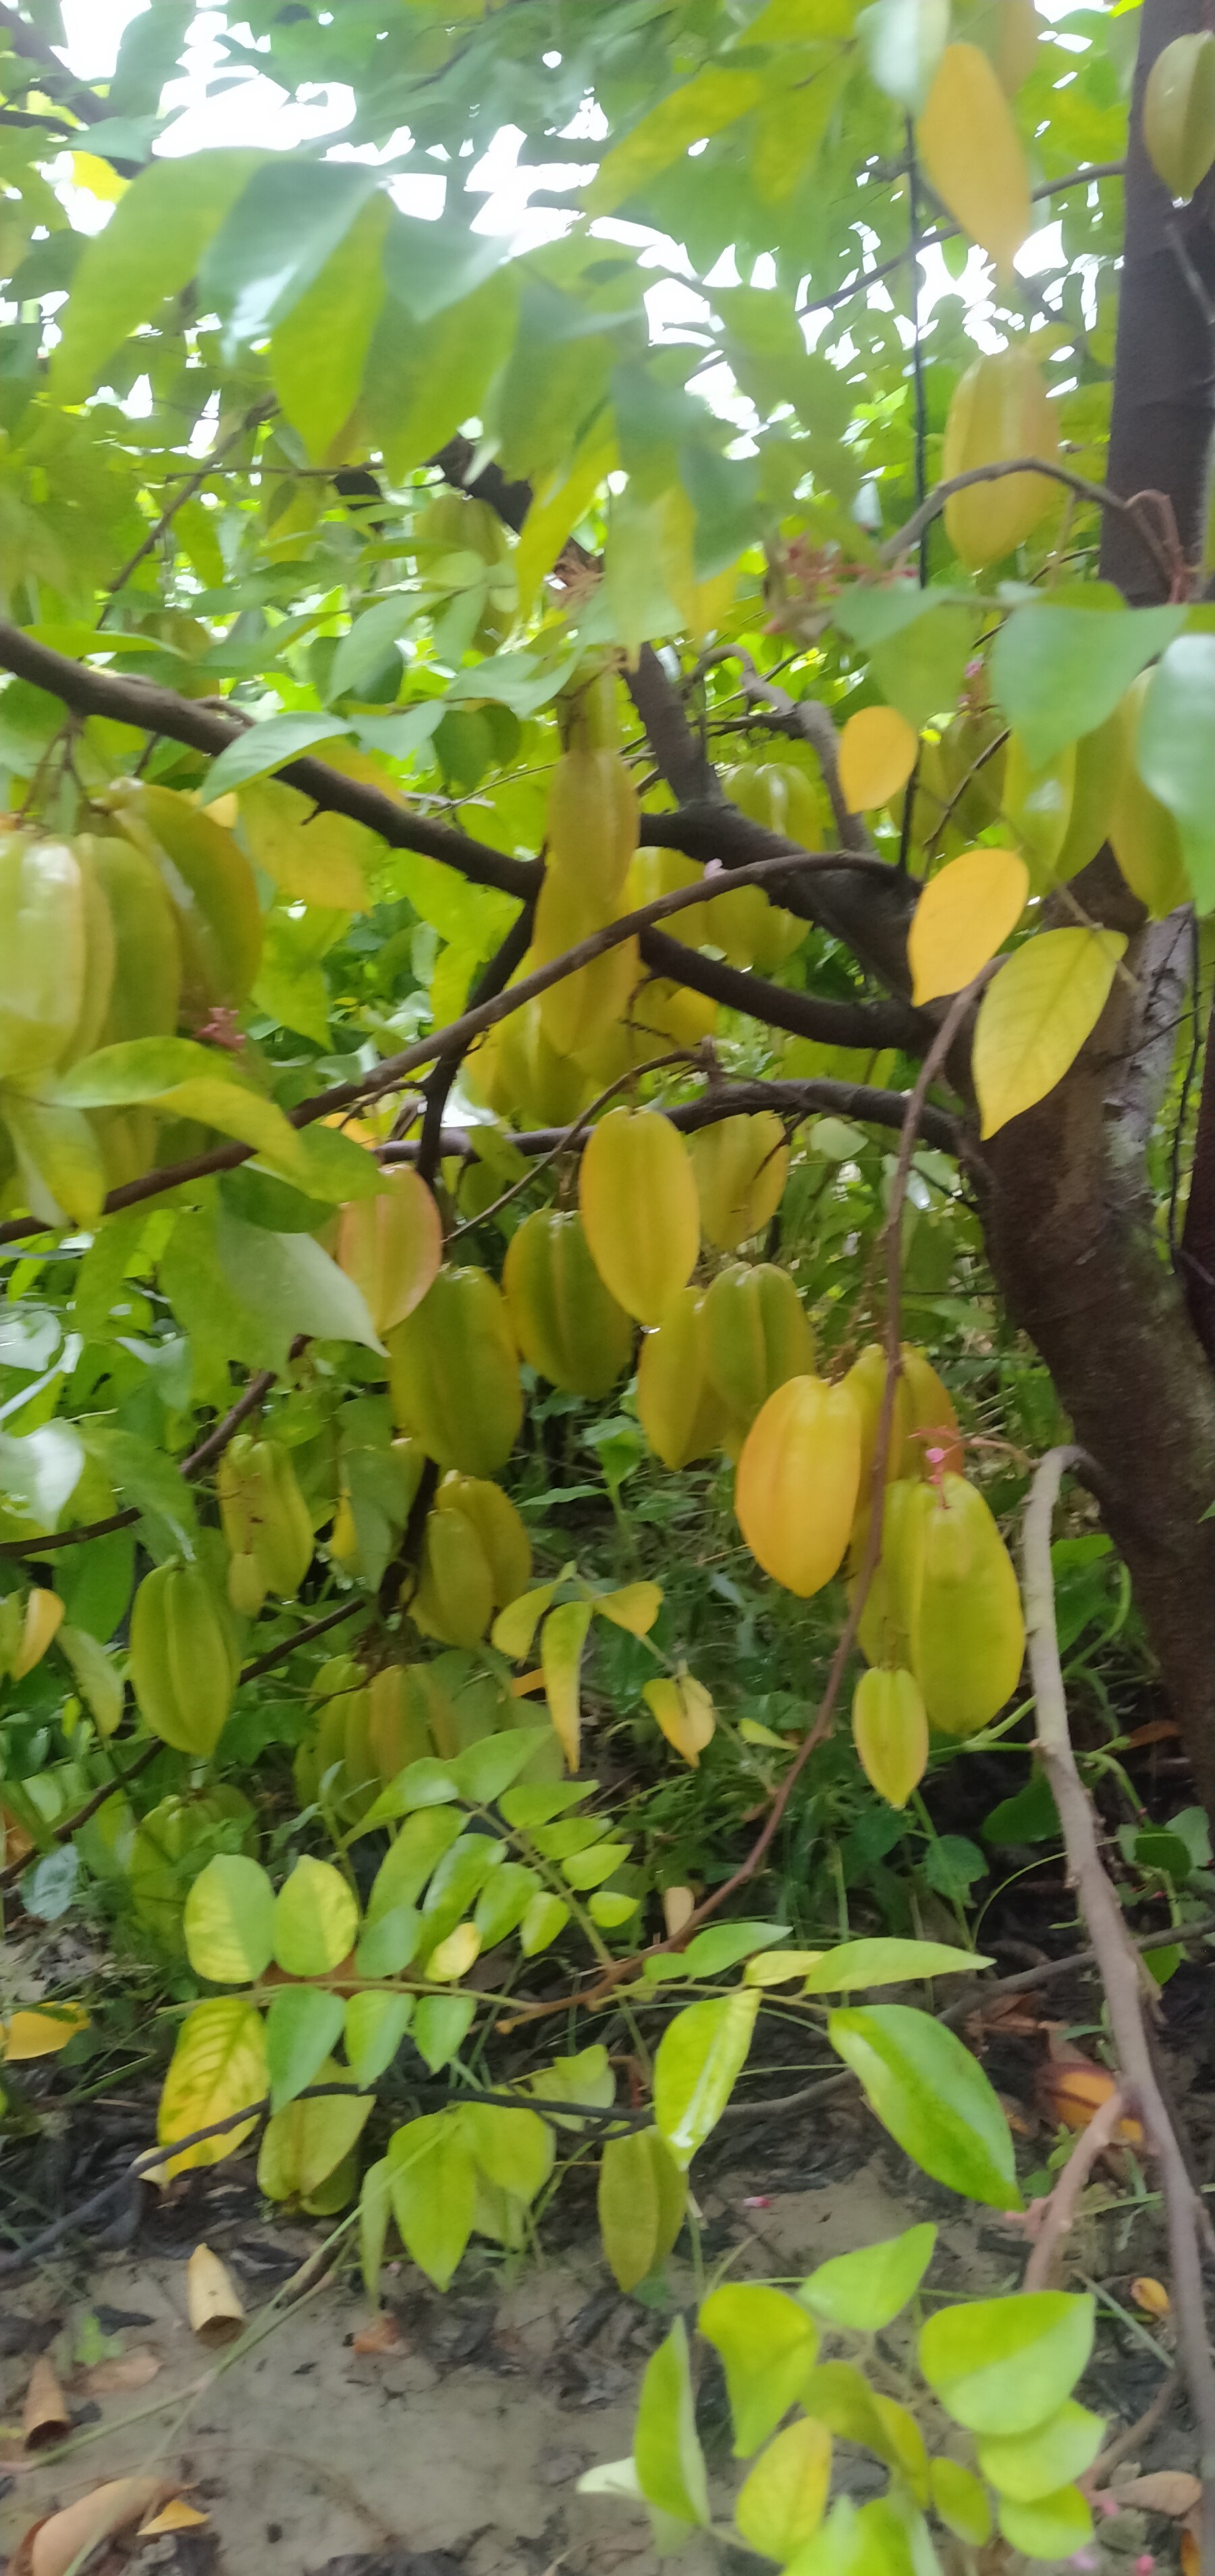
(176,2515)
(384,2336)
(57,2543)
(125,2371)
(1171,2491)
(216,2309)
(46,2415)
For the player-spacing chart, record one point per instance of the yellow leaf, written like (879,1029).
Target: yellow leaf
(876,756)
(963,916)
(635,1608)
(91,172)
(1035,1016)
(43,1616)
(454,1957)
(780,1967)
(972,154)
(515,1627)
(218,2066)
(314,857)
(42,2033)
(562,1639)
(557,508)
(684,1711)
(174,2516)
(780,2504)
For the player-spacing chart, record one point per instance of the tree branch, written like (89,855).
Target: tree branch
(861,1101)
(1098,493)
(133,701)
(195,1465)
(800,720)
(1188,2226)
(437,1089)
(805,1015)
(1057,2213)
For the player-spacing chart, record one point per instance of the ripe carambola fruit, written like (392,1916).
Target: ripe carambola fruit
(797,1483)
(999,411)
(755,1335)
(145,995)
(681,1413)
(476,1556)
(42,951)
(265,1519)
(657,872)
(586,1003)
(956,1585)
(890,1731)
(1179,113)
(184,1662)
(392,1246)
(592,823)
(567,1324)
(741,1165)
(637,1192)
(454,1377)
(1145,838)
(922,1406)
(518,1073)
(211,886)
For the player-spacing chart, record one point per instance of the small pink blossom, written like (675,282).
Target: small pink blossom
(1145,2565)
(758,2200)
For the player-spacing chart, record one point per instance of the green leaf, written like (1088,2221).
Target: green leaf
(243,1114)
(430,266)
(768,2347)
(781,2504)
(316,1919)
(143,1475)
(700,2057)
(288,1279)
(486,1768)
(422,383)
(441,2024)
(866,2290)
(149,249)
(95,1674)
(1056,2526)
(927,2089)
(838,2396)
(718,1947)
(39,1471)
(305,2143)
(513,2149)
(375,2027)
(715,98)
(389,1943)
(278,238)
(1059,672)
(1036,1015)
(375,2209)
(668,2457)
(229,1921)
(426,1783)
(418,1849)
(303,2025)
(904,41)
(1004,2366)
(268,746)
(545,1919)
(504,1901)
(887,1963)
(922,672)
(432,2179)
(1175,753)
(1025,2466)
(318,352)
(642,2200)
(959,2500)
(142,1069)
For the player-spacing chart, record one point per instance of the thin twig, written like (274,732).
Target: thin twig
(1121,1974)
(1132,2436)
(952,232)
(1057,2214)
(1098,493)
(195,1465)
(253,419)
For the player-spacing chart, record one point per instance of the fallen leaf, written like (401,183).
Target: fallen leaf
(1191,2552)
(1171,2491)
(678,1903)
(127,2370)
(1157,1732)
(1151,2296)
(41,2034)
(384,2336)
(46,2415)
(55,2545)
(215,2306)
(176,2515)
(1073,2088)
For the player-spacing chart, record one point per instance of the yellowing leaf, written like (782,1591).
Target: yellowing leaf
(176,2515)
(454,1957)
(781,2503)
(314,857)
(562,1639)
(684,1710)
(217,2067)
(515,1627)
(1035,1016)
(963,916)
(43,1616)
(41,2033)
(635,1608)
(713,99)
(972,154)
(91,172)
(876,757)
(554,513)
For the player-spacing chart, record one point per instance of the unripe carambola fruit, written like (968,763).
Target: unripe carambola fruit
(578,1010)
(890,1731)
(211,886)
(741,1166)
(592,823)
(756,1336)
(975,782)
(660,1017)
(1061,813)
(454,1377)
(184,1663)
(680,1412)
(100,950)
(517,1072)
(798,1478)
(999,411)
(504,1541)
(397,1732)
(1143,833)
(1179,113)
(637,1192)
(392,1247)
(454,1598)
(966,1628)
(42,951)
(866,1384)
(567,1324)
(145,995)
(656,872)
(932,1422)
(264,1516)
(749,928)
(884,1632)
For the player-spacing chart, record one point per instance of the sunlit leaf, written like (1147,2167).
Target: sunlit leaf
(963,916)
(1035,1016)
